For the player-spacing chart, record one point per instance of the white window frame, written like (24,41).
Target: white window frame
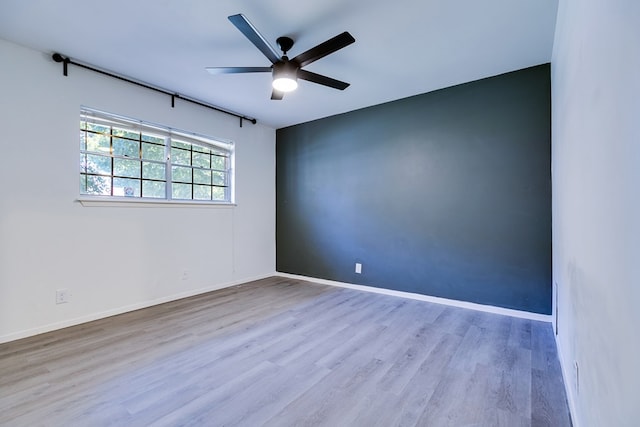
(177,142)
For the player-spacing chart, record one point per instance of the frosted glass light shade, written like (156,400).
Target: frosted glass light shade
(285,84)
(285,75)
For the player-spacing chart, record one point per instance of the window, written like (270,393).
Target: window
(122,158)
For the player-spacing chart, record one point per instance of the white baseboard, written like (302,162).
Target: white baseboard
(108,313)
(120,310)
(567,377)
(420,297)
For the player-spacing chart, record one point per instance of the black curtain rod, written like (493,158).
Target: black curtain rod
(66,61)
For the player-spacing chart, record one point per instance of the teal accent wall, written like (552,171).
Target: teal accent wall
(445,194)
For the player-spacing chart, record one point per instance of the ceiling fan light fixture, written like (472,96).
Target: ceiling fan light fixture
(285,77)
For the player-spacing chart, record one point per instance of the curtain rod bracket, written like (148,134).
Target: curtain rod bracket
(65,62)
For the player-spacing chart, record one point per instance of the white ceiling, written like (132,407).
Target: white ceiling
(402,48)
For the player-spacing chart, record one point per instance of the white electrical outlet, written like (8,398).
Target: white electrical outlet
(185,275)
(63,296)
(358,268)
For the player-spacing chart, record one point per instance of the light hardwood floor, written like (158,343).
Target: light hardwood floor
(281,352)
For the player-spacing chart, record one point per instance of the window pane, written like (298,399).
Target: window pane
(98,185)
(180,157)
(217,193)
(202,176)
(83,141)
(126,133)
(218,162)
(126,167)
(218,178)
(152,152)
(201,149)
(126,187)
(83,163)
(179,144)
(201,160)
(83,184)
(151,138)
(98,164)
(181,174)
(97,142)
(181,191)
(154,189)
(125,147)
(153,171)
(98,128)
(202,192)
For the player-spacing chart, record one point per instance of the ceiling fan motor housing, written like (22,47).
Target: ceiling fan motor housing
(285,68)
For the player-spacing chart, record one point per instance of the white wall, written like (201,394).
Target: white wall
(112,258)
(596,206)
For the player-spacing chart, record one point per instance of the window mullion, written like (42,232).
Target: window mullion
(167,156)
(111,154)
(191,166)
(140,159)
(211,173)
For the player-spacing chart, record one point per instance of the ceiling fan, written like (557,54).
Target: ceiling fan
(286,71)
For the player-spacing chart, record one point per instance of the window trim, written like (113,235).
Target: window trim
(119,201)
(171,135)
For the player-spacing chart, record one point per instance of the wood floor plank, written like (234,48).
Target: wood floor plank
(417,394)
(282,352)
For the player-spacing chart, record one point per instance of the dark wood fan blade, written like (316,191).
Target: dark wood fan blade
(324,49)
(322,80)
(242,23)
(277,95)
(236,70)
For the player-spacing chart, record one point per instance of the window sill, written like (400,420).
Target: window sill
(129,202)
